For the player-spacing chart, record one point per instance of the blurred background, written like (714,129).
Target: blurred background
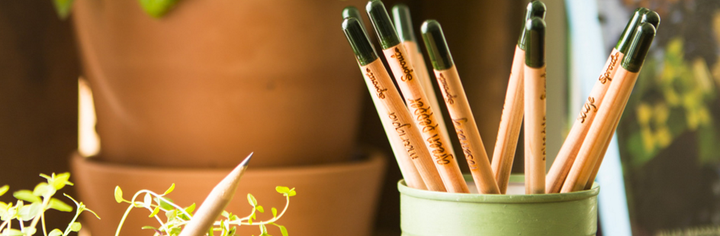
(668,142)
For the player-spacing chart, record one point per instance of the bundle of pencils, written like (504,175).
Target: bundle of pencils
(418,134)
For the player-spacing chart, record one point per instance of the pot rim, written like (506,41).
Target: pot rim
(498,198)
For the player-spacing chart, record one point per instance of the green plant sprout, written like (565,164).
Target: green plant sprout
(177,216)
(40,200)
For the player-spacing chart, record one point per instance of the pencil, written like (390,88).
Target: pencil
(404,27)
(512,113)
(390,105)
(215,202)
(610,110)
(653,18)
(407,168)
(534,106)
(459,108)
(417,102)
(569,150)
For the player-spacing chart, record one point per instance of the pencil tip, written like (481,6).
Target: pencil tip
(535,42)
(627,35)
(247,159)
(651,17)
(533,9)
(360,44)
(641,42)
(382,24)
(436,45)
(351,12)
(403,23)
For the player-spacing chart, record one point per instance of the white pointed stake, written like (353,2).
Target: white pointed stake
(215,202)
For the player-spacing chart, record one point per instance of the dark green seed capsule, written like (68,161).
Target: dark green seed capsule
(627,35)
(534,9)
(535,42)
(637,51)
(436,45)
(358,41)
(382,24)
(403,23)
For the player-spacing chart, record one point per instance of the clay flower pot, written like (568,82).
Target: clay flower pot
(213,81)
(332,199)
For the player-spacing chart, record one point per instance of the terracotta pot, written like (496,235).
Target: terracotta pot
(332,199)
(215,80)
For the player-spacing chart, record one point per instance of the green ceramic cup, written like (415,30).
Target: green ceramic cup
(431,213)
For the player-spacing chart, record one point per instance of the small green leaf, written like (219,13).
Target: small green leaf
(282,189)
(157,8)
(251,200)
(250,220)
(274,212)
(154,212)
(172,187)
(149,227)
(29,231)
(263,230)
(43,189)
(118,194)
(163,203)
(147,200)
(4,189)
(55,232)
(190,209)
(59,205)
(28,212)
(292,192)
(225,214)
(260,209)
(283,230)
(61,180)
(62,7)
(12,232)
(26,195)
(75,227)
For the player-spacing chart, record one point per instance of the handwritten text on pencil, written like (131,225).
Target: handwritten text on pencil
(449,98)
(379,91)
(407,72)
(464,144)
(399,128)
(605,76)
(423,116)
(589,104)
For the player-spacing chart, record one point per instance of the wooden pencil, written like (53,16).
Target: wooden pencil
(390,105)
(610,110)
(459,108)
(216,201)
(512,113)
(534,105)
(404,27)
(569,150)
(653,18)
(417,102)
(407,168)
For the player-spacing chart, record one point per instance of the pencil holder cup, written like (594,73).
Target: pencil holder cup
(425,212)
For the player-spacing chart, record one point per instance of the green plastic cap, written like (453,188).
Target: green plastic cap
(358,41)
(436,45)
(653,18)
(637,51)
(403,23)
(352,12)
(534,9)
(535,42)
(382,23)
(627,35)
